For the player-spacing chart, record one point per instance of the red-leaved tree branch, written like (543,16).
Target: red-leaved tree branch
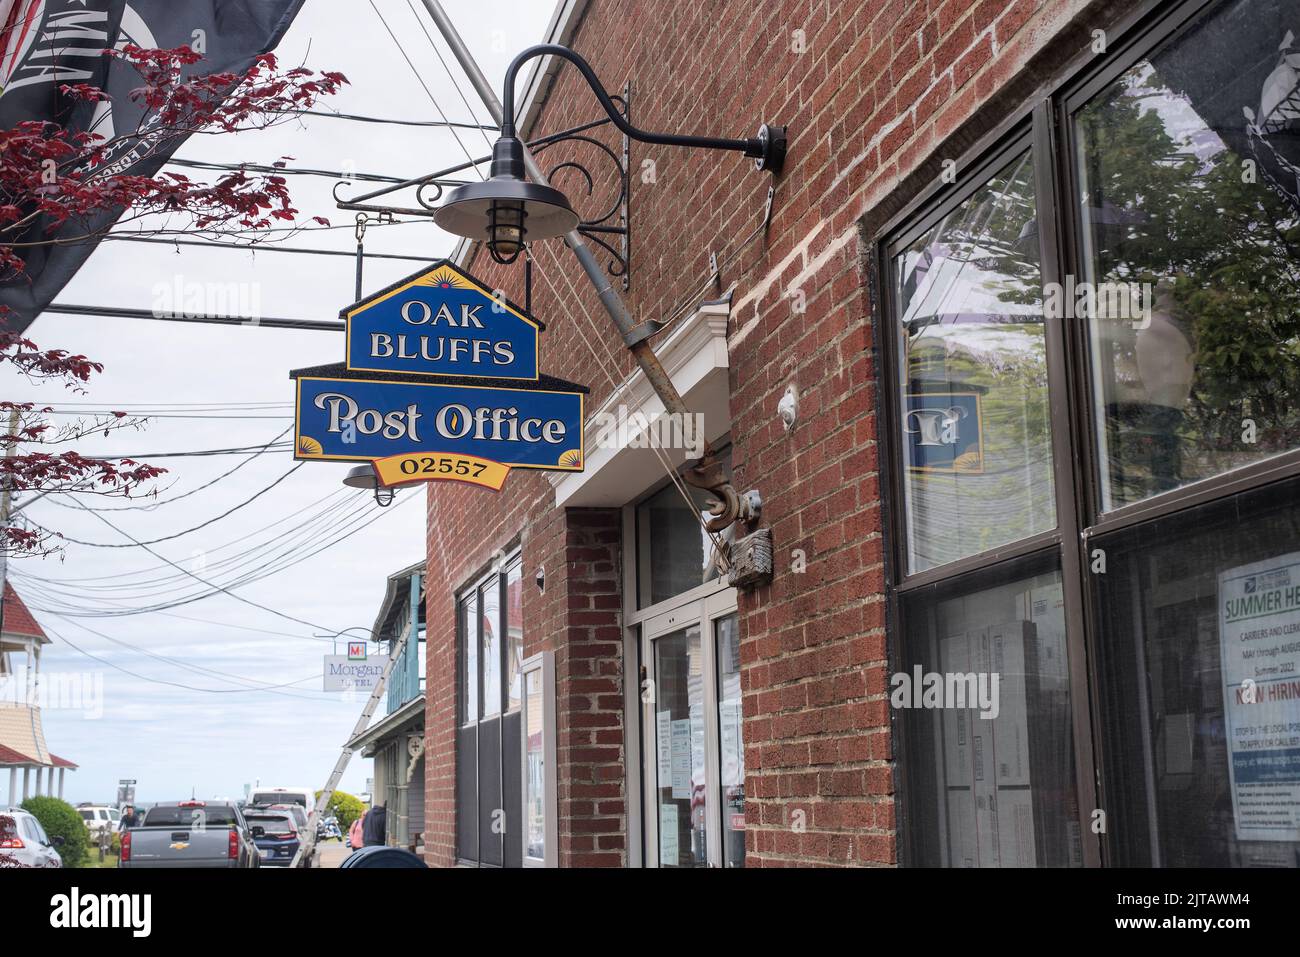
(55,176)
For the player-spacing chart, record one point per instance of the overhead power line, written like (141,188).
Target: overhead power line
(285,171)
(444,124)
(163,681)
(270,322)
(157,503)
(167,538)
(262,248)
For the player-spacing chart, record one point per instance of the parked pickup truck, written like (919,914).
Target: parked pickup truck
(190,834)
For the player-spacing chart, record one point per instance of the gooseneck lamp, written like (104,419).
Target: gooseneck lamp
(506,211)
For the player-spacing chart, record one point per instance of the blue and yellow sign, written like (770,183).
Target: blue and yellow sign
(351,419)
(945,432)
(441,322)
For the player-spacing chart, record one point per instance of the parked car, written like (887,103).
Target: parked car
(276,834)
(99,817)
(190,834)
(24,843)
(305,798)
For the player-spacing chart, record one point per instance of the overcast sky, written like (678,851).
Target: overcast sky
(175,740)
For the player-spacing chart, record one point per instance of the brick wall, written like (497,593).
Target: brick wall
(876,96)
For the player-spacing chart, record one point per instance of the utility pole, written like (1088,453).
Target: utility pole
(708,472)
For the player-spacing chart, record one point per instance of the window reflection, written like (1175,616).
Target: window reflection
(732,742)
(1189,170)
(975,429)
(535,782)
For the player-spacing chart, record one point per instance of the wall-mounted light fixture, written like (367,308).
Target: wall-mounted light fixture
(506,211)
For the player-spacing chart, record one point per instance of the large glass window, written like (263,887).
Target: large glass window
(1189,204)
(1200,627)
(1085,390)
(987,711)
(973,396)
(489,806)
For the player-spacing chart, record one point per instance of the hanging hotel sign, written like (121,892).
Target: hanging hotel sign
(441,322)
(439,382)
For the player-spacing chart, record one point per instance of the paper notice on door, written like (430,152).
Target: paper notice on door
(681,759)
(664,747)
(668,839)
(1259,647)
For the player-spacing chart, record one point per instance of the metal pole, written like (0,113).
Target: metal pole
(708,472)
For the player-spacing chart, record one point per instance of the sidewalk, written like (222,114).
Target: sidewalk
(331,854)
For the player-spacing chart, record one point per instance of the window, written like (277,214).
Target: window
(673,550)
(489,805)
(973,398)
(693,776)
(1186,185)
(1094,449)
(538,772)
(730,741)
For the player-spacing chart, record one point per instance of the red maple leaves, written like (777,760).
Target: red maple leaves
(54,176)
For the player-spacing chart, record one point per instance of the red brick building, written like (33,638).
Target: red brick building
(592,701)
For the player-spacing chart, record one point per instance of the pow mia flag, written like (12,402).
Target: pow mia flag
(45,44)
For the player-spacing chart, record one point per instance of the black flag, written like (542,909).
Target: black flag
(48,43)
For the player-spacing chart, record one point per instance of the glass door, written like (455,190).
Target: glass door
(691,722)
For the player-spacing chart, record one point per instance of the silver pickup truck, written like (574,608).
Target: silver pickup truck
(190,834)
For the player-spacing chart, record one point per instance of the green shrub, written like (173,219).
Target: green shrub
(60,819)
(346,808)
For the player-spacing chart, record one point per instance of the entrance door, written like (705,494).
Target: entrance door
(694,773)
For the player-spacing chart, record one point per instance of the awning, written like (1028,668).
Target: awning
(402,721)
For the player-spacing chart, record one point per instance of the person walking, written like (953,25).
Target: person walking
(374,830)
(354,832)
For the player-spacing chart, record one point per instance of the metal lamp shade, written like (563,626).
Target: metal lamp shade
(467,211)
(361,476)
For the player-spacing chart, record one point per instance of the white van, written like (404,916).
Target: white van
(99,817)
(303,797)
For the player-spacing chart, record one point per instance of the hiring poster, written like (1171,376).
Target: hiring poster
(1259,642)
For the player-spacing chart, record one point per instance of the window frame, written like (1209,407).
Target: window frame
(499,571)
(1044,124)
(542,663)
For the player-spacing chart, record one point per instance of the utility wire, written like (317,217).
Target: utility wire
(429,93)
(240,598)
(176,498)
(227,589)
(285,171)
(264,564)
(250,684)
(163,681)
(168,538)
(445,124)
(347,496)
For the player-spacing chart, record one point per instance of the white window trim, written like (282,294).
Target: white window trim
(543,662)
